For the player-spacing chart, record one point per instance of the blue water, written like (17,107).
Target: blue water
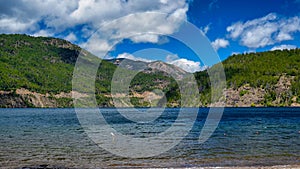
(244,137)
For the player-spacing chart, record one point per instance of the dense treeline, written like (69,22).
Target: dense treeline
(45,65)
(37,64)
(261,69)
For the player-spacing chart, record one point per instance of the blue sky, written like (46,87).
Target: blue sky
(232,26)
(218,15)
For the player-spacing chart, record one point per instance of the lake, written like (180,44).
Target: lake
(244,137)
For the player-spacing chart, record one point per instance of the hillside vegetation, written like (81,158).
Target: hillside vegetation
(37,72)
(43,68)
(272,77)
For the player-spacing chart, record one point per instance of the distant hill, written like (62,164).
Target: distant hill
(150,67)
(37,72)
(260,79)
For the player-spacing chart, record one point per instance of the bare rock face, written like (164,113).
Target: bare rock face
(9,100)
(171,70)
(59,43)
(36,99)
(23,98)
(151,67)
(282,89)
(246,96)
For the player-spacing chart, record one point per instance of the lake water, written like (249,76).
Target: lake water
(244,137)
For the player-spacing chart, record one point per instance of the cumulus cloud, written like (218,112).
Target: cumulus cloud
(132,57)
(220,43)
(55,17)
(145,38)
(24,16)
(43,33)
(133,27)
(264,31)
(98,46)
(282,47)
(71,37)
(170,58)
(187,65)
(8,25)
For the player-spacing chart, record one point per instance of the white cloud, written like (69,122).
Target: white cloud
(71,37)
(220,43)
(287,28)
(97,46)
(282,47)
(25,15)
(145,38)
(53,17)
(132,57)
(264,31)
(206,28)
(42,33)
(187,65)
(164,1)
(133,27)
(235,53)
(8,25)
(171,58)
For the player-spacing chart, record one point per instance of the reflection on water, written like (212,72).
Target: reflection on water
(245,136)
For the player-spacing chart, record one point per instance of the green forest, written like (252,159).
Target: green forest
(45,65)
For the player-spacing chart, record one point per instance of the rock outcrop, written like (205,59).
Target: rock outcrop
(244,96)
(247,96)
(23,98)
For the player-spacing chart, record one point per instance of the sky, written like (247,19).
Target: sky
(231,26)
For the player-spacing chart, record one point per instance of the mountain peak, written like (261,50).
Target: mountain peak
(150,67)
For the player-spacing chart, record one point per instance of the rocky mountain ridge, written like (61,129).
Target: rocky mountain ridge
(150,67)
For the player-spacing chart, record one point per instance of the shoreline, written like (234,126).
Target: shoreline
(233,167)
(226,107)
(227,167)
(253,167)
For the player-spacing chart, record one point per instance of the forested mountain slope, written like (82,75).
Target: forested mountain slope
(261,79)
(37,72)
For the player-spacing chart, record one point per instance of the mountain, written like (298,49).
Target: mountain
(37,72)
(260,79)
(150,67)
